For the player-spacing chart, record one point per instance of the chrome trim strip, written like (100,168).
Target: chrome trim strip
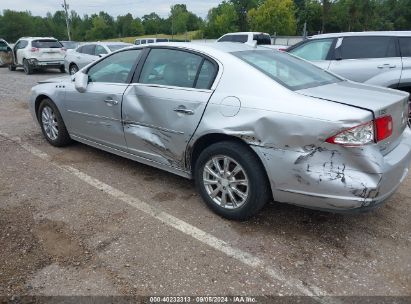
(140,124)
(93,115)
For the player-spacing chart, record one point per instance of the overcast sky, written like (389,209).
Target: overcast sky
(114,7)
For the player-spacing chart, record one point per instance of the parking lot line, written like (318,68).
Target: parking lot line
(180,225)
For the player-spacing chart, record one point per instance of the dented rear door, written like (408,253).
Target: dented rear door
(165,103)
(160,121)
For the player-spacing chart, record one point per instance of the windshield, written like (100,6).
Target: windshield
(287,70)
(116,47)
(43,44)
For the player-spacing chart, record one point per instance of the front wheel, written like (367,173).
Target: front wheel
(12,67)
(73,69)
(52,124)
(62,69)
(232,180)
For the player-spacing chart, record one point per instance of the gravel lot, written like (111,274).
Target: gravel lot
(62,236)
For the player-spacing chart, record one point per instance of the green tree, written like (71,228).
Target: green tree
(242,8)
(15,25)
(221,20)
(179,17)
(152,23)
(274,16)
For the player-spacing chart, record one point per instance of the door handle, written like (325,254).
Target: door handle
(387,65)
(111,101)
(183,110)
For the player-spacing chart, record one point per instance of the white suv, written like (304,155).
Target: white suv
(37,53)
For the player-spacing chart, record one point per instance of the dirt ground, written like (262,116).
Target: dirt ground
(62,236)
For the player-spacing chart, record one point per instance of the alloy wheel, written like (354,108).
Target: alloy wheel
(226,182)
(50,124)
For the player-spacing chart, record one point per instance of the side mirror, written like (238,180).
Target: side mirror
(81,82)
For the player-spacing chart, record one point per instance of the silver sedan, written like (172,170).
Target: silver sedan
(248,124)
(86,53)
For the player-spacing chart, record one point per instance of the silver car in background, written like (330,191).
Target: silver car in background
(248,124)
(377,58)
(89,52)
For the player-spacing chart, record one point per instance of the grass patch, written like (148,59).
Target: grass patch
(190,36)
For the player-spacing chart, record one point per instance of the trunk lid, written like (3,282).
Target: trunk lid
(380,101)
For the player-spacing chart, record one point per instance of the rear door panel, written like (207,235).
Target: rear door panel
(369,59)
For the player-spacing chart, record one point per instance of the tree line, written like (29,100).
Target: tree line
(280,17)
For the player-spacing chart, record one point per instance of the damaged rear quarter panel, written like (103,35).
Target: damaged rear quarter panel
(288,133)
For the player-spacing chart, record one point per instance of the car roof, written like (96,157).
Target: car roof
(36,38)
(245,33)
(106,43)
(209,48)
(348,34)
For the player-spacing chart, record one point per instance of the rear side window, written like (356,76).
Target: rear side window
(88,49)
(405,46)
(313,50)
(171,68)
(100,50)
(234,38)
(367,47)
(262,39)
(46,44)
(22,44)
(162,40)
(206,75)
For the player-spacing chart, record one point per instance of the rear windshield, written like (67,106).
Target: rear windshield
(234,38)
(262,39)
(287,70)
(43,44)
(116,47)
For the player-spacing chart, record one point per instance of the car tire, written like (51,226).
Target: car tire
(12,67)
(240,196)
(28,69)
(62,69)
(52,124)
(73,69)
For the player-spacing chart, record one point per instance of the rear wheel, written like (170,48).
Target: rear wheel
(73,69)
(232,180)
(52,124)
(12,67)
(28,69)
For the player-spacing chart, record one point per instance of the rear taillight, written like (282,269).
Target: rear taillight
(364,134)
(33,49)
(63,49)
(282,49)
(383,127)
(357,136)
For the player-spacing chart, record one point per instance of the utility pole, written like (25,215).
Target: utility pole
(66,7)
